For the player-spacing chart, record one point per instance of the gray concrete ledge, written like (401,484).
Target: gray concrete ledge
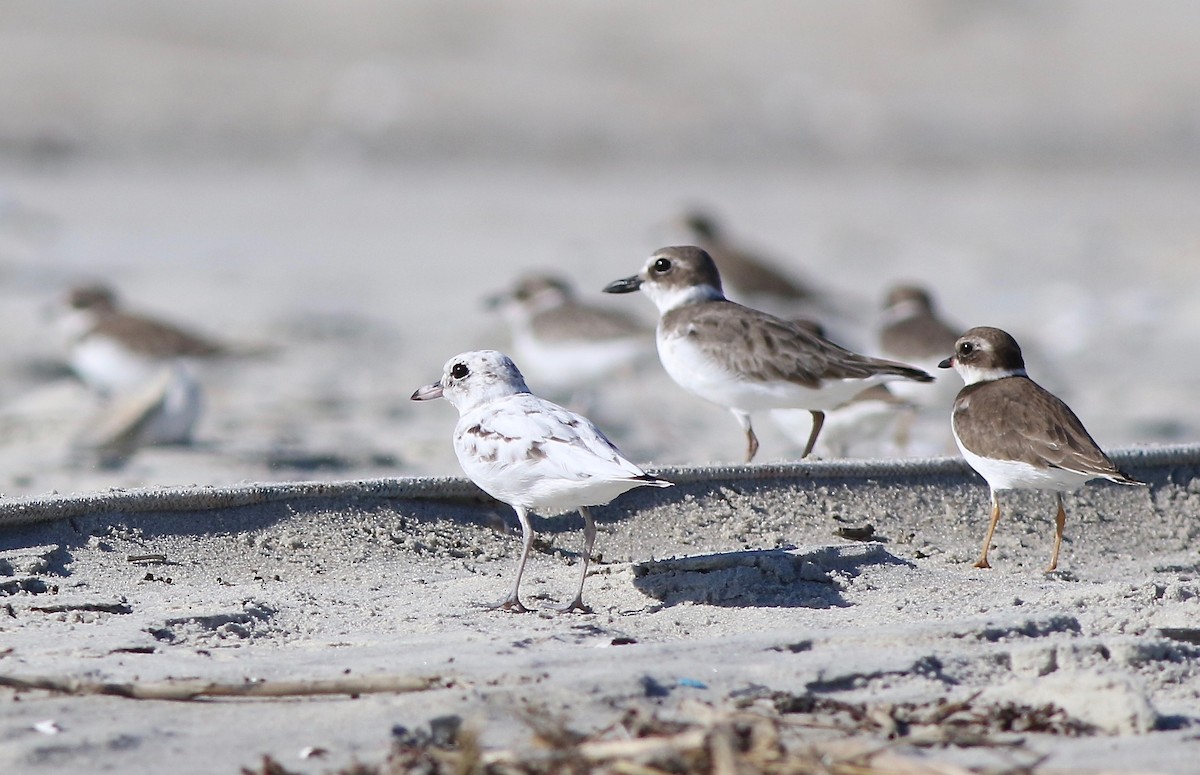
(1149,463)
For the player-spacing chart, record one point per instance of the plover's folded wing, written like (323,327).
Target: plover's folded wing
(561,442)
(564,323)
(1030,426)
(154,337)
(764,348)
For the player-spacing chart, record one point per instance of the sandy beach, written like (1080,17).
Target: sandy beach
(335,195)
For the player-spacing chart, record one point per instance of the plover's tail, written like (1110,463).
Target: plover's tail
(1120,477)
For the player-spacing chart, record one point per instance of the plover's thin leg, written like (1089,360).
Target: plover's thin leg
(1060,520)
(513,602)
(818,419)
(743,419)
(982,562)
(589,538)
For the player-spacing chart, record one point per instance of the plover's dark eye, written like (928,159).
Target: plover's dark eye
(459,370)
(966,348)
(662,265)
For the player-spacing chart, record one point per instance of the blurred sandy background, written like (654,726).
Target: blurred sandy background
(348,181)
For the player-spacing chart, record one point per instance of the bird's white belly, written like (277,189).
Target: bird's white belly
(689,367)
(539,490)
(1015,475)
(107,366)
(553,496)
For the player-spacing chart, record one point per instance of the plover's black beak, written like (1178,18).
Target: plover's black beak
(428,392)
(947,364)
(628,285)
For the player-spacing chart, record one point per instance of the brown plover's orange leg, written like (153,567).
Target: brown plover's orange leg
(1060,520)
(982,562)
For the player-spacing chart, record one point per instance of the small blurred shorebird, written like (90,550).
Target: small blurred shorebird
(563,343)
(745,272)
(911,330)
(139,366)
(759,281)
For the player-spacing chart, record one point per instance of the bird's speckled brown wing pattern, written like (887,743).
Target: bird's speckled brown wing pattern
(768,349)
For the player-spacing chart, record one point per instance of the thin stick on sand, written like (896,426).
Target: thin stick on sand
(192,689)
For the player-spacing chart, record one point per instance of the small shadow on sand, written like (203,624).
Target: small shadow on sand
(773,578)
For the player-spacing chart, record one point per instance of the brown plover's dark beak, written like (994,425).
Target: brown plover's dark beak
(428,392)
(947,364)
(628,285)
